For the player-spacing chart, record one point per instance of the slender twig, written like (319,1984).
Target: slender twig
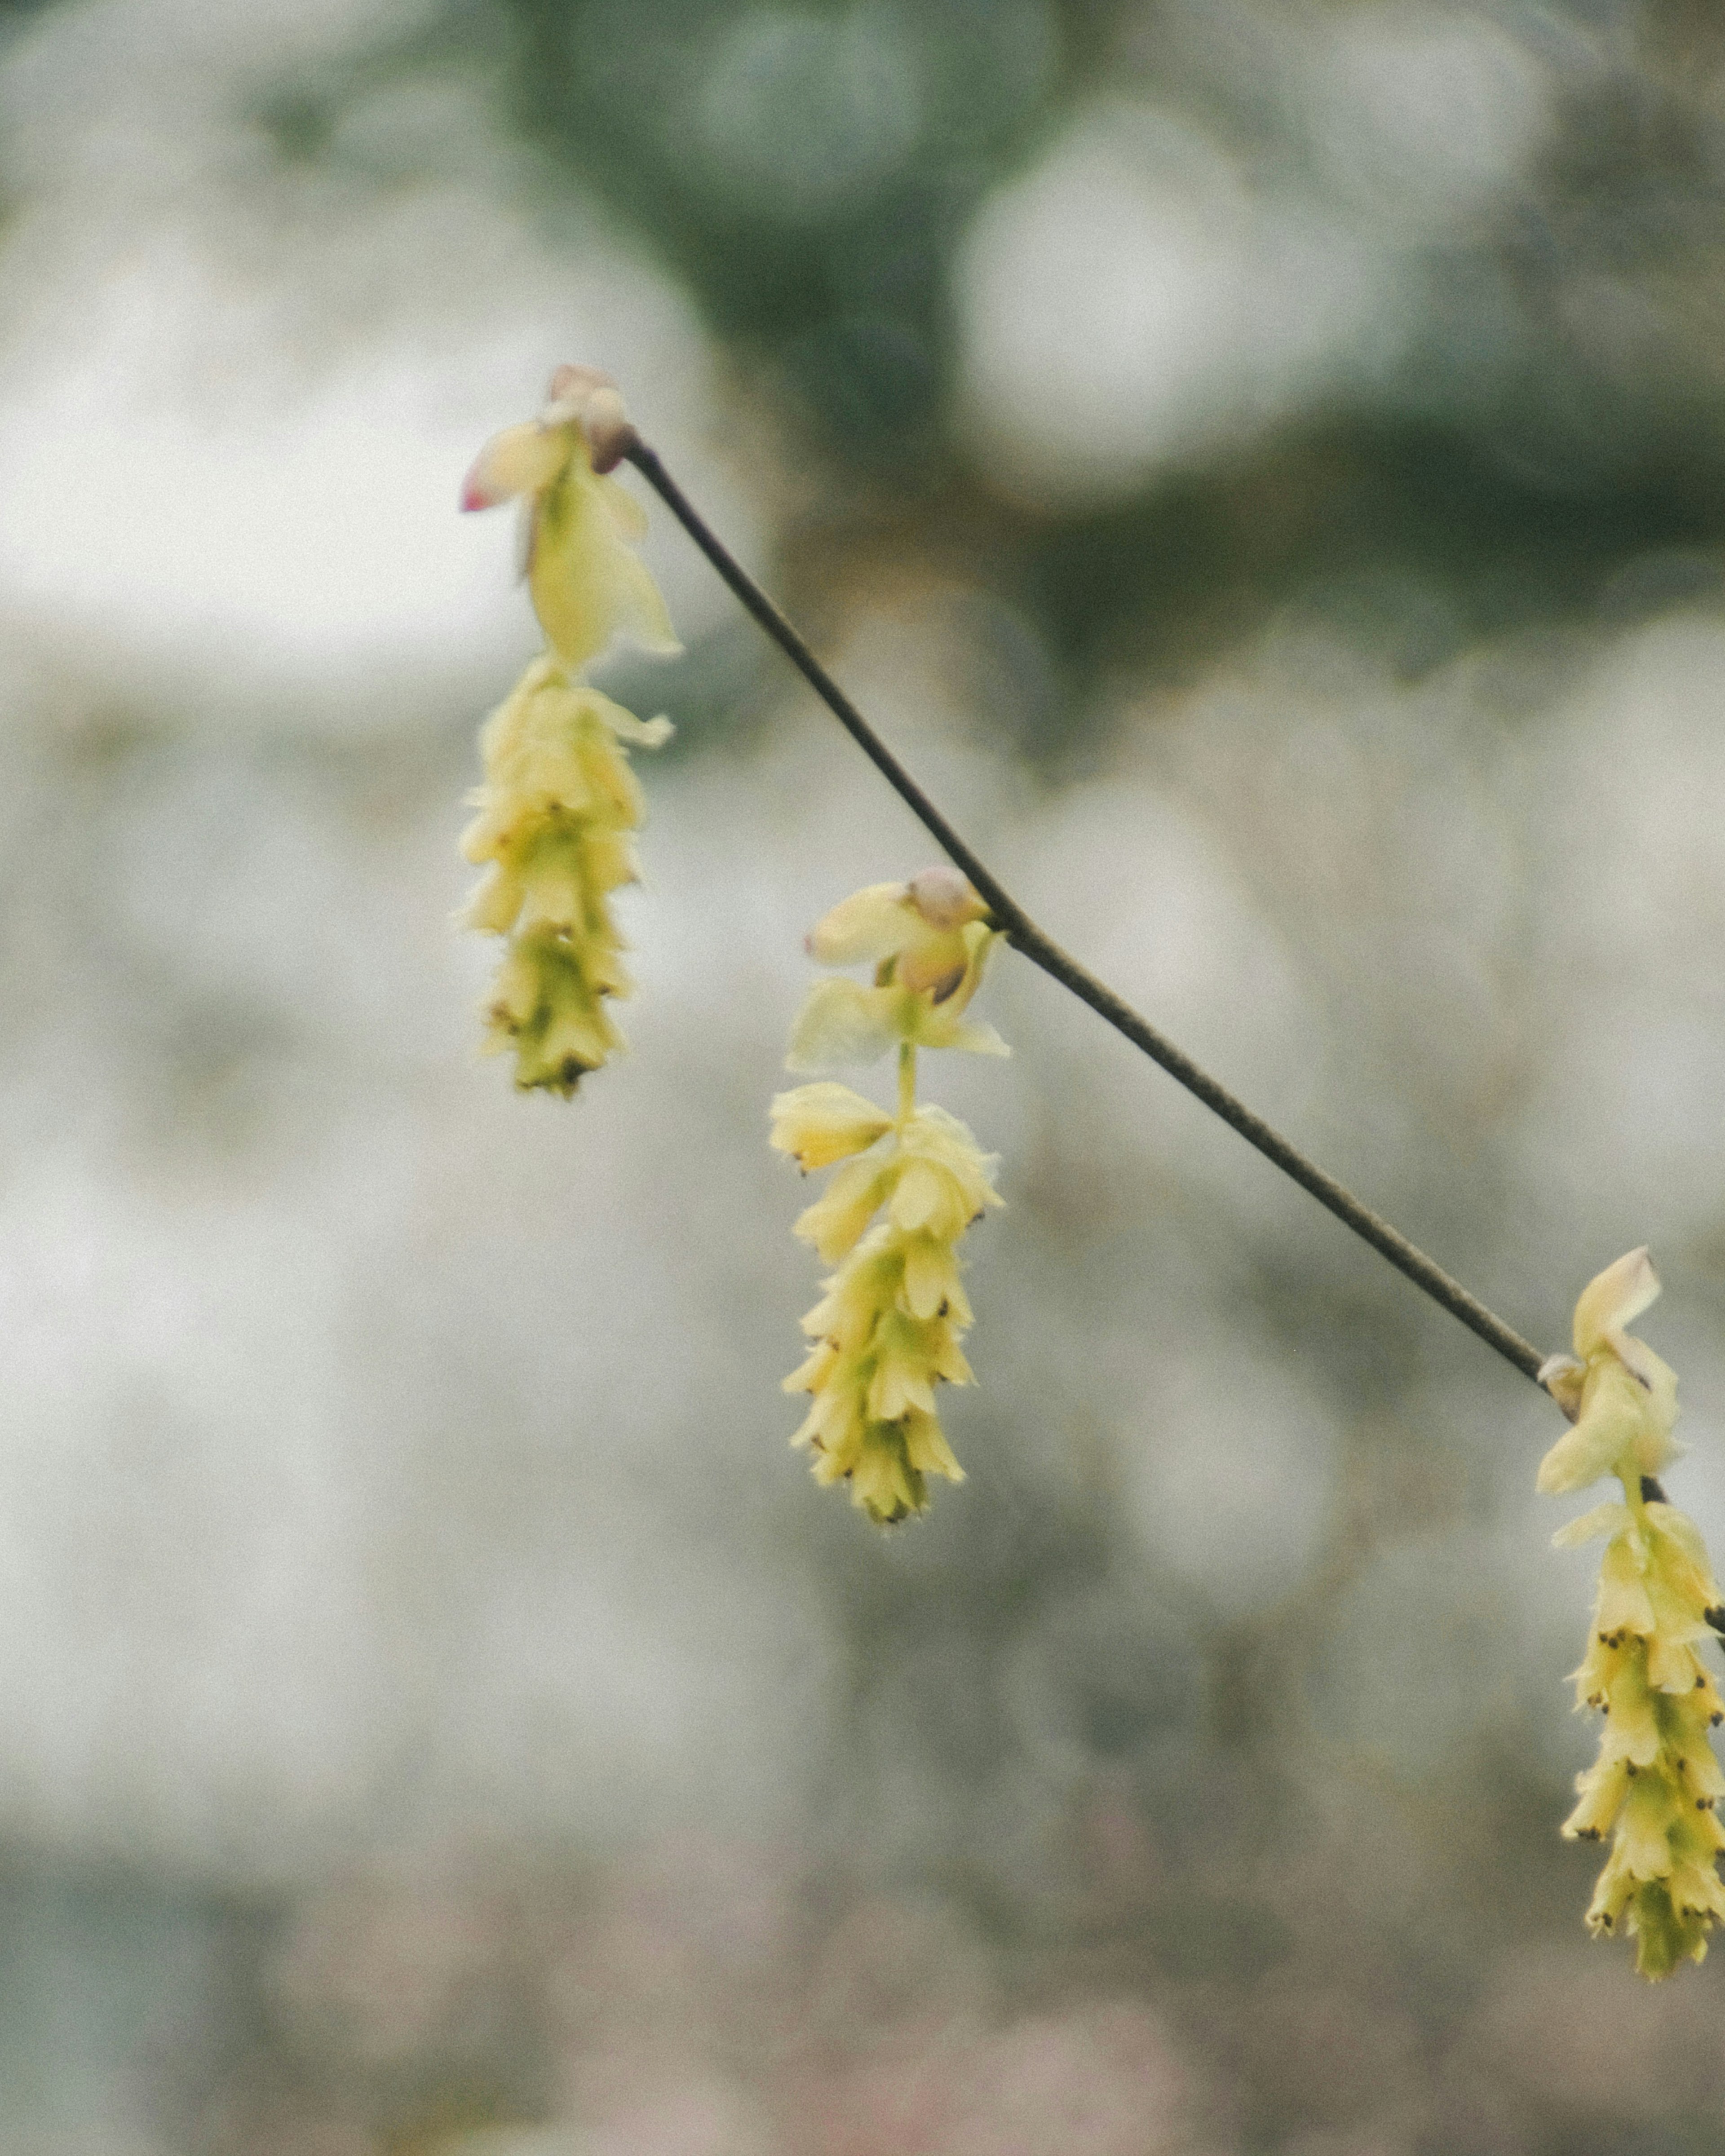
(1024,935)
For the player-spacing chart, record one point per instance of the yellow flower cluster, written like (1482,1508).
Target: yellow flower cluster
(1655,1783)
(559,803)
(887,1328)
(557,815)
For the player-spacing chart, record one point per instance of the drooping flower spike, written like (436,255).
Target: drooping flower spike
(559,803)
(888,1326)
(556,818)
(1655,1781)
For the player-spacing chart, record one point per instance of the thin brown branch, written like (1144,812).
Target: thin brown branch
(1026,936)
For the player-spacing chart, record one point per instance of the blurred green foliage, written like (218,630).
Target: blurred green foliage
(809,171)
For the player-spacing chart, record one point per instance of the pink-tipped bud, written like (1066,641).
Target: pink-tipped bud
(520,460)
(944,898)
(610,433)
(1563,1377)
(570,390)
(587,397)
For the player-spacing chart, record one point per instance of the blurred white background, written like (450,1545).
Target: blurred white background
(1258,465)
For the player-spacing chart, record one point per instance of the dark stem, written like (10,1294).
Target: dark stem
(1024,935)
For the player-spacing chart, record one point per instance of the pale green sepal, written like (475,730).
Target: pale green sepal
(1612,1420)
(639,733)
(842,1023)
(870,925)
(825,1121)
(1613,1299)
(1603,1520)
(975,1035)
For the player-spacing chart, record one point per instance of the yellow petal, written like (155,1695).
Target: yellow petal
(1611,1894)
(1633,1730)
(1614,1415)
(841,1023)
(627,516)
(928,1197)
(1643,1827)
(824,1122)
(870,925)
(1601,1790)
(932,1286)
(520,460)
(1670,1661)
(1613,1299)
(897,1386)
(1701,1777)
(837,1219)
(926,1446)
(1603,1520)
(588,586)
(934,960)
(884,1482)
(944,1029)
(1624,1604)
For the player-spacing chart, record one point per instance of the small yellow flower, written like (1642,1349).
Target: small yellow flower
(888,1327)
(1655,1783)
(928,940)
(819,1124)
(588,583)
(556,818)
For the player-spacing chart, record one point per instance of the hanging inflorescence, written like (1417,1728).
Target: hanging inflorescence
(1655,1781)
(887,1328)
(559,804)
(556,818)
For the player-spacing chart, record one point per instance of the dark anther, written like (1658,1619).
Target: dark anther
(1651,1493)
